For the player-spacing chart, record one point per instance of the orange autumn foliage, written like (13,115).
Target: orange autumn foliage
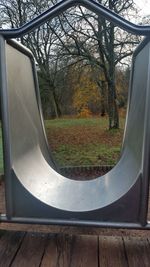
(86,94)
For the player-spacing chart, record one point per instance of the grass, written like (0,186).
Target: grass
(86,155)
(84,142)
(102,122)
(63,123)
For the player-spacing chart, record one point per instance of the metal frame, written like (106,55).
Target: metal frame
(15,33)
(64,5)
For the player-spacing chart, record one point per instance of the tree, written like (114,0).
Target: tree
(122,85)
(42,42)
(76,35)
(101,44)
(86,98)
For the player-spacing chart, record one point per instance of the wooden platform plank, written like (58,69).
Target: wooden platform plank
(111,252)
(31,251)
(58,251)
(85,252)
(137,251)
(71,251)
(9,245)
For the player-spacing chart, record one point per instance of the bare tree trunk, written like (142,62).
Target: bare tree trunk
(57,104)
(19,3)
(103,94)
(57,110)
(116,115)
(112,103)
(112,107)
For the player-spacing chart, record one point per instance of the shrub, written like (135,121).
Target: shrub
(84,113)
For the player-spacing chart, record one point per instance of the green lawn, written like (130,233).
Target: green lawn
(101,122)
(67,155)
(81,142)
(84,142)
(67,123)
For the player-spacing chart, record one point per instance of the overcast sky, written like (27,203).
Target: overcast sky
(144,5)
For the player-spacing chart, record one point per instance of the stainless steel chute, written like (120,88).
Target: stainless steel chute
(35,191)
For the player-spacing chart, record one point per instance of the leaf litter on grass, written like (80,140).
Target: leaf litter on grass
(84,142)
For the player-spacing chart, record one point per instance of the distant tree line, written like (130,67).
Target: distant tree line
(83,60)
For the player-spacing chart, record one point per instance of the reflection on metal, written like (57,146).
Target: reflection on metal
(35,191)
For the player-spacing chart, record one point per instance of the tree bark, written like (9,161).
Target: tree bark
(20,17)
(103,94)
(112,107)
(56,107)
(112,99)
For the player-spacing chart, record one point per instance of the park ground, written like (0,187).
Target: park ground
(82,141)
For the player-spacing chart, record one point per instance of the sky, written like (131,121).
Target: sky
(144,5)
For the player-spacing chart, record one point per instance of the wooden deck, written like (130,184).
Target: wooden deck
(20,249)
(52,246)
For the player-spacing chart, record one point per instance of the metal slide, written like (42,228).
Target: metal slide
(35,191)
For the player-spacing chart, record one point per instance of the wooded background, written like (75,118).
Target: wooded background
(83,61)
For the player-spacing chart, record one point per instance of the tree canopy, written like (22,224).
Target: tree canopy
(76,40)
